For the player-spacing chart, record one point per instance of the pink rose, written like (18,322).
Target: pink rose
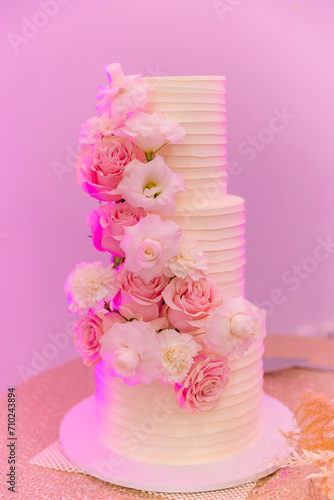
(204,385)
(99,170)
(88,331)
(190,303)
(107,225)
(138,298)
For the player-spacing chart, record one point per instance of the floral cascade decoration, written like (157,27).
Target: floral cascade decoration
(153,313)
(312,441)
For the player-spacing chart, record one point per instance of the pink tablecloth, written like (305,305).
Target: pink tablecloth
(43,401)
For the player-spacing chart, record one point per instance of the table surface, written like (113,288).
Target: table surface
(43,401)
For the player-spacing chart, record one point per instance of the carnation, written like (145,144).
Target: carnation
(151,185)
(149,132)
(123,94)
(190,264)
(89,286)
(233,326)
(149,245)
(132,351)
(178,351)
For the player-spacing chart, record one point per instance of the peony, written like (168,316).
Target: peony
(178,351)
(151,185)
(204,385)
(88,331)
(190,303)
(93,129)
(89,286)
(100,171)
(123,94)
(149,245)
(138,298)
(132,350)
(234,325)
(149,132)
(191,264)
(107,225)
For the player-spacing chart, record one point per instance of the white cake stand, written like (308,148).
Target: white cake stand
(82,447)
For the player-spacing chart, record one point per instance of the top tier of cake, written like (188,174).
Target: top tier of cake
(205,211)
(199,105)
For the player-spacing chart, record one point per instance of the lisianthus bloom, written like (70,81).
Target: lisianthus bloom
(151,131)
(151,186)
(96,127)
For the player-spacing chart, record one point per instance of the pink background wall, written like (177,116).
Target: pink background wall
(278,59)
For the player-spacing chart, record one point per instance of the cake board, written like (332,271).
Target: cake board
(80,444)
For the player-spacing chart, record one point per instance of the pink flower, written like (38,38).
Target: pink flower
(93,129)
(149,245)
(123,94)
(132,351)
(204,385)
(190,303)
(151,185)
(100,170)
(234,325)
(151,131)
(88,332)
(140,299)
(107,225)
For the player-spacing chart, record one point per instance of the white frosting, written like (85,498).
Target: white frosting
(145,422)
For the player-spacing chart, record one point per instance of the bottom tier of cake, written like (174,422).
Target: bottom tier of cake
(145,423)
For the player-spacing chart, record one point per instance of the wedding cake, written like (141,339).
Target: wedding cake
(177,348)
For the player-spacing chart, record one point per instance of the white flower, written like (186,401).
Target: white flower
(123,94)
(96,127)
(151,186)
(132,350)
(149,244)
(89,286)
(234,325)
(151,131)
(178,351)
(190,264)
